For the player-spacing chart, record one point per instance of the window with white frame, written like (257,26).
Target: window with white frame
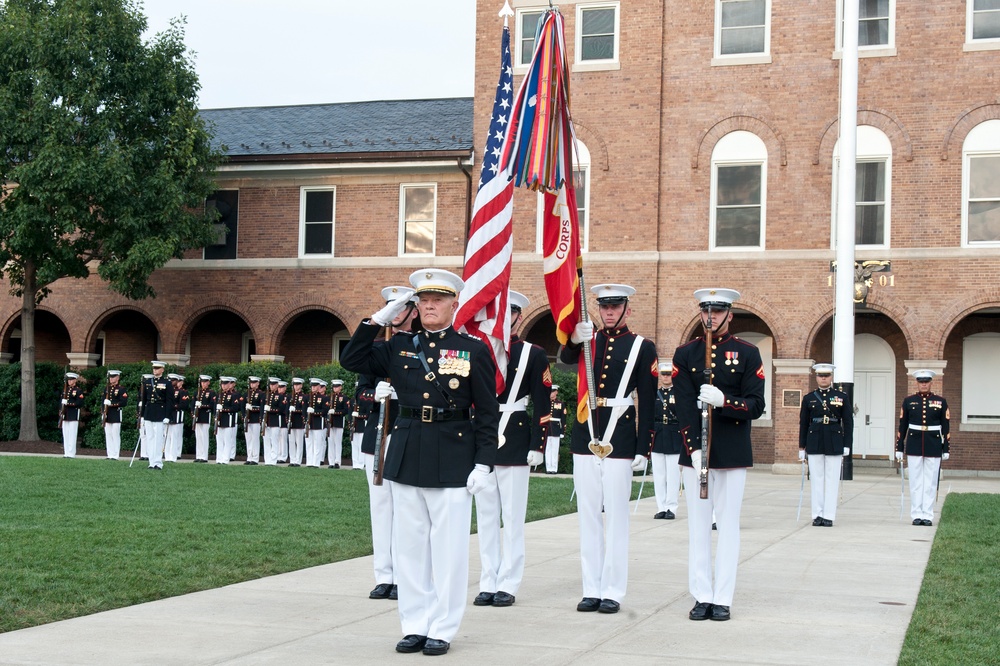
(981,186)
(526,25)
(581,185)
(742,27)
(876,24)
(597,33)
(738,193)
(317,211)
(982,20)
(417,215)
(980,365)
(873,185)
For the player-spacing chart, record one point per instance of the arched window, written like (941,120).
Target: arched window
(581,182)
(872,188)
(981,186)
(739,187)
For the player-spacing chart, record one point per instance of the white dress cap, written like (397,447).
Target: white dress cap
(612,293)
(518,300)
(719,298)
(436,281)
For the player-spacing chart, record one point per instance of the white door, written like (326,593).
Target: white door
(874,396)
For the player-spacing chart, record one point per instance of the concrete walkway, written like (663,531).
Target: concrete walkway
(804,595)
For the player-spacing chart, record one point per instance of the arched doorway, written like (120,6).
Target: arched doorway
(220,336)
(126,336)
(314,337)
(52,341)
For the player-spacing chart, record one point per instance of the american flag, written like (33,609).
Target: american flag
(483,309)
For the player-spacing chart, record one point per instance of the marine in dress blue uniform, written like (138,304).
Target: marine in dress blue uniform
(667,447)
(521,441)
(72,402)
(924,436)
(340,407)
(441,454)
(557,426)
(298,403)
(736,395)
(253,421)
(115,399)
(159,407)
(826,431)
(175,429)
(204,407)
(624,364)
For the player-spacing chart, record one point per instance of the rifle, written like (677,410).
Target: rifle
(104,408)
(307,416)
(381,432)
(215,429)
(706,414)
(62,405)
(196,410)
(138,408)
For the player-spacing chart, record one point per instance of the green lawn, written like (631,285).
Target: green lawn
(82,536)
(956,620)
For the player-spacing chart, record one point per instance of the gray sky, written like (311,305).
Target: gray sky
(268,53)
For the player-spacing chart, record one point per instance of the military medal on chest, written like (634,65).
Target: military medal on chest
(732,358)
(455,362)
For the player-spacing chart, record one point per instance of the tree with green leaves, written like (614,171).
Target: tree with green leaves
(105,163)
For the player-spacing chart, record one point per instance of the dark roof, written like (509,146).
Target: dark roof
(398,126)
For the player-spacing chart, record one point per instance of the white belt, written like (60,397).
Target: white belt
(514,407)
(615,402)
(923,427)
(555,420)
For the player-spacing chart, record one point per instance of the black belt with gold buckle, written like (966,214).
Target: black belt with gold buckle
(429,414)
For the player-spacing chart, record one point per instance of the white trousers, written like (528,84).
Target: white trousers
(283,445)
(336,446)
(155,441)
(923,485)
(502,561)
(272,444)
(552,454)
(380,508)
(69,432)
(143,453)
(201,441)
(113,439)
(666,480)
(725,499)
(222,447)
(175,438)
(296,441)
(357,458)
(431,530)
(315,447)
(824,484)
(252,435)
(603,537)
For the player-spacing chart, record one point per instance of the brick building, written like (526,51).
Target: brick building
(709,141)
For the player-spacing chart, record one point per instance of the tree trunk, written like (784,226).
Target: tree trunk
(29,418)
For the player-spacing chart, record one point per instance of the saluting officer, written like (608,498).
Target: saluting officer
(603,460)
(520,444)
(924,435)
(340,407)
(667,447)
(736,393)
(158,410)
(440,455)
(228,408)
(204,407)
(826,431)
(254,418)
(380,497)
(557,420)
(298,402)
(175,429)
(72,401)
(115,399)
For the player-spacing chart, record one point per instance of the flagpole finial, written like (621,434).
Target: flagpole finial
(506,12)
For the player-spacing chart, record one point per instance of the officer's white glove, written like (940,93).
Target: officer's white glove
(197,404)
(354,414)
(267,408)
(140,404)
(293,409)
(107,403)
(310,410)
(584,331)
(639,463)
(945,456)
(712,395)
(249,406)
(65,401)
(535,458)
(899,455)
(847,451)
(479,479)
(393,308)
(383,390)
(802,454)
(166,421)
(696,460)
(218,407)
(329,413)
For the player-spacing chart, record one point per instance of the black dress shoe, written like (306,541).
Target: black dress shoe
(434,646)
(484,599)
(608,606)
(381,591)
(827,522)
(670,515)
(411,643)
(143,458)
(926,523)
(394,593)
(588,605)
(503,599)
(701,611)
(714,526)
(818,521)
(720,613)
(295,465)
(661,515)
(917,521)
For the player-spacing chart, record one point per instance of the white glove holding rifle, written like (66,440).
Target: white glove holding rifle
(583,332)
(383,390)
(393,308)
(712,395)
